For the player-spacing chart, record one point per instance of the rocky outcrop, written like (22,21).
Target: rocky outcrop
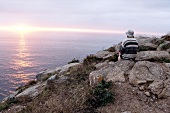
(102,54)
(105,55)
(119,71)
(152,56)
(115,72)
(145,71)
(32,91)
(166,37)
(44,75)
(68,67)
(146,43)
(149,74)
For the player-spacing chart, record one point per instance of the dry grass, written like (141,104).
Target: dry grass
(71,96)
(68,97)
(89,60)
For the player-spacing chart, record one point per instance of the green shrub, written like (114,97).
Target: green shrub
(7,104)
(4,106)
(100,95)
(74,61)
(165,60)
(166,46)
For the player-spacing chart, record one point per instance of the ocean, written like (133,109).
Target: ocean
(24,55)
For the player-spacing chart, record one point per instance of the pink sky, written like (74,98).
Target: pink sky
(117,15)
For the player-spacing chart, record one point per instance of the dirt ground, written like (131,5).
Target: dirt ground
(129,98)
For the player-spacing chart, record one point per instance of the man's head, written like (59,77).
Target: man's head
(130,34)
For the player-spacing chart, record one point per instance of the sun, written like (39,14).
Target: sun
(21,28)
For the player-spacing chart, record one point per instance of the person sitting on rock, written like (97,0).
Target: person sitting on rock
(129,47)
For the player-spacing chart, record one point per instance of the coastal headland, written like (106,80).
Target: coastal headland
(125,86)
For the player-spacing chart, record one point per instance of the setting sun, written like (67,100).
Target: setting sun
(23,29)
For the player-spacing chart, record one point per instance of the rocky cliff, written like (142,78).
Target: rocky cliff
(101,84)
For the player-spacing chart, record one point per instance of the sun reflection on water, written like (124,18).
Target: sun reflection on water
(21,62)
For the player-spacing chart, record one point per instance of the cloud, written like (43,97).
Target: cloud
(149,16)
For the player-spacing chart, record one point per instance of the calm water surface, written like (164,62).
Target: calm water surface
(22,56)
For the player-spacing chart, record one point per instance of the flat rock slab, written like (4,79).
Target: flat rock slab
(152,55)
(32,91)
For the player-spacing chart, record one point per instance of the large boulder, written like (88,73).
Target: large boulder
(120,70)
(151,76)
(145,71)
(146,43)
(44,75)
(67,67)
(115,72)
(153,56)
(32,91)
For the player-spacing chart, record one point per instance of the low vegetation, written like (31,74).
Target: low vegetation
(166,46)
(113,58)
(157,42)
(74,95)
(8,103)
(91,59)
(164,60)
(111,49)
(101,95)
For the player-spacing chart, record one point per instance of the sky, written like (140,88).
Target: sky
(142,16)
